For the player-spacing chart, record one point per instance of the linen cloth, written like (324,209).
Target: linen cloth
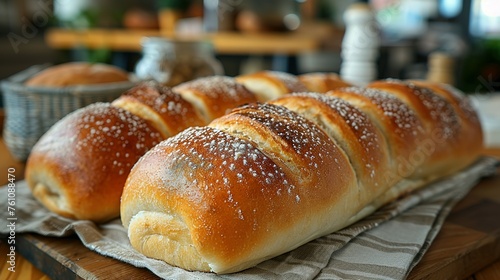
(385,245)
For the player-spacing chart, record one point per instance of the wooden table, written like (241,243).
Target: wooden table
(282,47)
(468,250)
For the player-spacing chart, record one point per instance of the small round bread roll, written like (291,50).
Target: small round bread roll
(77,73)
(79,167)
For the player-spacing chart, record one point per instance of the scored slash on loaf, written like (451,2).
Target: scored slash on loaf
(269,177)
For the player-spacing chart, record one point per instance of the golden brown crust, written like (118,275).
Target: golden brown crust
(268,85)
(468,140)
(400,125)
(436,113)
(280,133)
(440,121)
(469,120)
(215,96)
(323,82)
(167,111)
(351,129)
(225,226)
(79,167)
(267,178)
(77,73)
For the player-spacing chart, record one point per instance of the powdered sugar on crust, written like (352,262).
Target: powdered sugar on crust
(176,110)
(359,124)
(163,107)
(442,113)
(208,166)
(231,151)
(112,132)
(464,103)
(304,137)
(218,87)
(162,99)
(356,119)
(405,119)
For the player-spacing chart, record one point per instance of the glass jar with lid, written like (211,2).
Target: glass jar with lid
(171,62)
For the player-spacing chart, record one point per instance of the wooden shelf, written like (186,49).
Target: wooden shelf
(309,38)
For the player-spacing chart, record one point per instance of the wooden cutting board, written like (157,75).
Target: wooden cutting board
(468,241)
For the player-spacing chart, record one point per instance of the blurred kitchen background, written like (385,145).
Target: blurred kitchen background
(296,36)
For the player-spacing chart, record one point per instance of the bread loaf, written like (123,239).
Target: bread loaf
(267,178)
(78,168)
(77,73)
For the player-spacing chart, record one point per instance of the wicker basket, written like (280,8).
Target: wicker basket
(31,111)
